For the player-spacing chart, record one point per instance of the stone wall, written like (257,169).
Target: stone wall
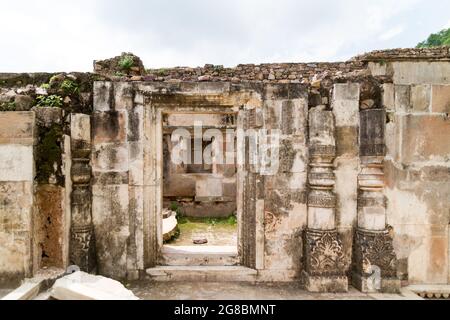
(365,167)
(418,166)
(17,139)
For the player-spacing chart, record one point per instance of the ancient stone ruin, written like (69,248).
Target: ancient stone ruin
(360,193)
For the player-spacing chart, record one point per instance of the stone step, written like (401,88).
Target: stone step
(199,256)
(202,273)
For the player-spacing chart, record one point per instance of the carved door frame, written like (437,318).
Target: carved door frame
(155,106)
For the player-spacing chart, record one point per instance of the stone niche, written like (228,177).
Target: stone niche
(131,122)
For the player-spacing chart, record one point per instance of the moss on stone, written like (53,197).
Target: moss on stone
(48,155)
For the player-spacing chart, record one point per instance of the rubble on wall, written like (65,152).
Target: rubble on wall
(430,54)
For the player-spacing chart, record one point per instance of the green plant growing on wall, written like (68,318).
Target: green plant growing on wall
(45,86)
(162,72)
(8,106)
(49,101)
(69,86)
(53,79)
(126,62)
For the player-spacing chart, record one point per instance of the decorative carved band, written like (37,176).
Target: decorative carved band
(82,247)
(374,248)
(322,150)
(371,202)
(372,150)
(321,201)
(321,176)
(323,253)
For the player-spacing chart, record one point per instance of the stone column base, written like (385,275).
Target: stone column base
(82,248)
(368,284)
(374,262)
(323,284)
(324,262)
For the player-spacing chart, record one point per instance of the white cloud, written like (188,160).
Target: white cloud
(391,33)
(52,35)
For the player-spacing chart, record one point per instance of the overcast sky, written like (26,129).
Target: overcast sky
(59,35)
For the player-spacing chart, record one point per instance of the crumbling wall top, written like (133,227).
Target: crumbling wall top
(431,54)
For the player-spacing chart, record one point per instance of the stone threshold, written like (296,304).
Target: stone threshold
(202,273)
(199,256)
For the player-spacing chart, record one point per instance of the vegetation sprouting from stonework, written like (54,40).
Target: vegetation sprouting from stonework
(53,101)
(441,38)
(48,155)
(69,86)
(126,62)
(8,106)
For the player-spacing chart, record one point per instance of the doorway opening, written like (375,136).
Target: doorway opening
(199,173)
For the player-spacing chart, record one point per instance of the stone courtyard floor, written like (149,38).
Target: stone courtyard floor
(246,291)
(218,232)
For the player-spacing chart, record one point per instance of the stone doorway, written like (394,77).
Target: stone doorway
(199,217)
(214,101)
(128,170)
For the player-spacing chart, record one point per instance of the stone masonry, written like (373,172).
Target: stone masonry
(360,198)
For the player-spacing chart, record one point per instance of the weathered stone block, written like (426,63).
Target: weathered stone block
(441,99)
(418,131)
(16,163)
(388,96)
(420,98)
(179,186)
(110,157)
(346,190)
(402,98)
(347,141)
(346,91)
(372,132)
(136,163)
(47,116)
(16,202)
(102,95)
(136,123)
(112,228)
(84,286)
(123,95)
(109,127)
(17,127)
(293,116)
(208,186)
(49,225)
(80,127)
(321,127)
(421,72)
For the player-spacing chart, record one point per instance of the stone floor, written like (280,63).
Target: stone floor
(245,291)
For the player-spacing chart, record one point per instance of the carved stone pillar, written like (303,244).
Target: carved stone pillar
(324,264)
(82,242)
(374,259)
